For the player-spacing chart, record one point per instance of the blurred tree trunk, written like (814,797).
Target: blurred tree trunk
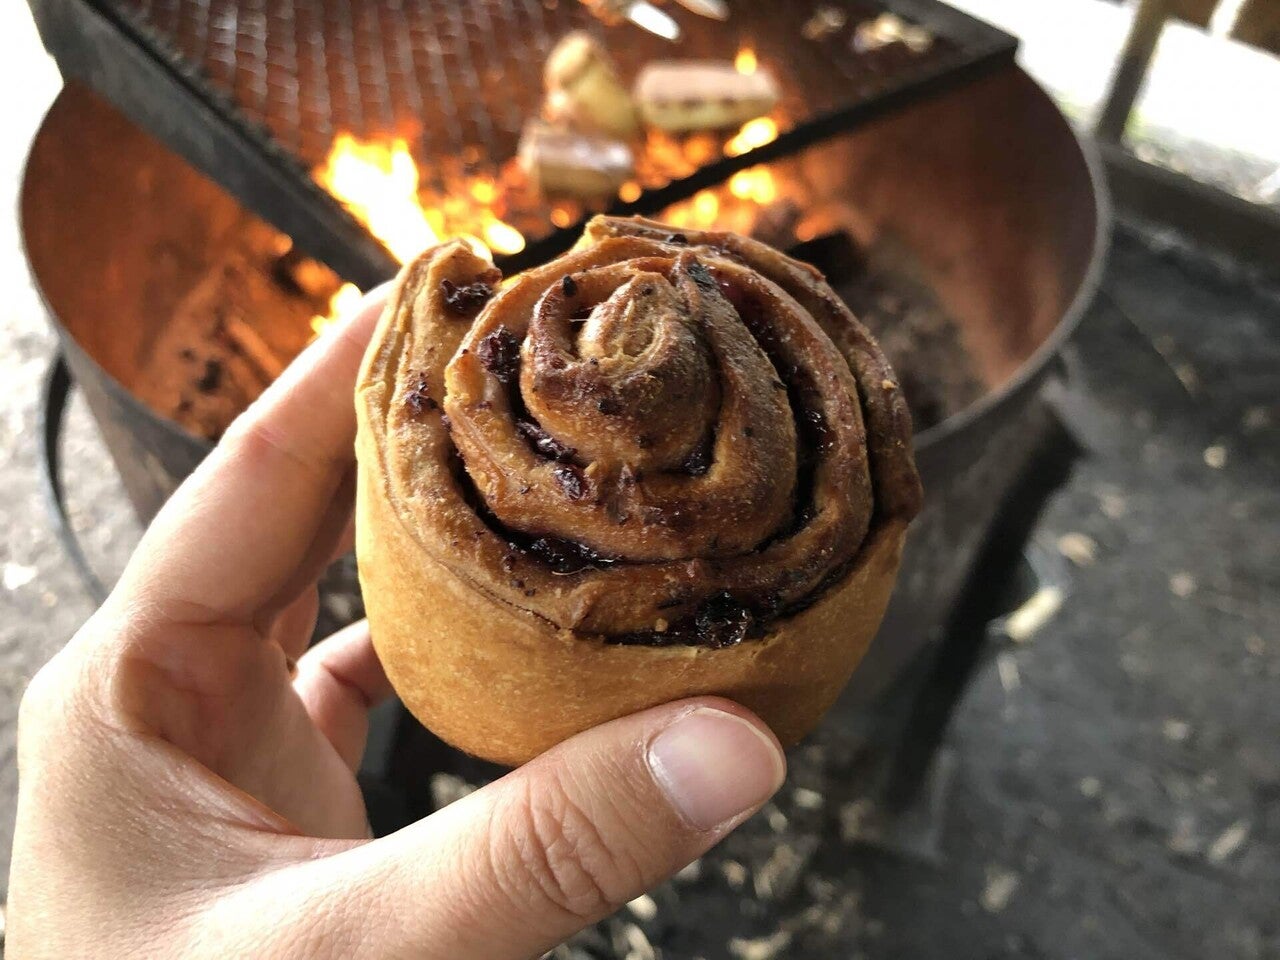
(1131,68)
(1259,24)
(1195,11)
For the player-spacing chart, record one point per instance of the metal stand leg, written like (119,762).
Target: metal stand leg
(902,811)
(53,408)
(1131,70)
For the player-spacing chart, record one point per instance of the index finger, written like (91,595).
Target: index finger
(232,536)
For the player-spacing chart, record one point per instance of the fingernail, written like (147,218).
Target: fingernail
(715,766)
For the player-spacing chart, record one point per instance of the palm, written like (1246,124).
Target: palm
(220,598)
(235,710)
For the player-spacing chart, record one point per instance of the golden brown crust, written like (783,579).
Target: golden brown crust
(597,493)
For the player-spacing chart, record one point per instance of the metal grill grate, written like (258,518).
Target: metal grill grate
(280,78)
(466,75)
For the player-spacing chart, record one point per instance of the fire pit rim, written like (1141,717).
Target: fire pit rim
(1029,372)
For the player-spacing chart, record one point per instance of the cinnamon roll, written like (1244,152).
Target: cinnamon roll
(664,464)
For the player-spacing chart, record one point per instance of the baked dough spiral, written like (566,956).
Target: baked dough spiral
(637,472)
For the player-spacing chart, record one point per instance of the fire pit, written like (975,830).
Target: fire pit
(972,258)
(965,228)
(182,268)
(258,96)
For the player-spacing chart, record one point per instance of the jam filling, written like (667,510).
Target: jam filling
(544,443)
(719,621)
(417,398)
(572,481)
(465,301)
(500,354)
(699,461)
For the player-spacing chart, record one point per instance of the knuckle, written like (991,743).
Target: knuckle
(68,692)
(565,859)
(46,710)
(35,707)
(44,702)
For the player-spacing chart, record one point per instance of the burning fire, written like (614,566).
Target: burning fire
(341,303)
(753,135)
(735,206)
(379,182)
(381,185)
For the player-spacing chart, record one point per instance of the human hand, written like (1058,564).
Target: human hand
(185,791)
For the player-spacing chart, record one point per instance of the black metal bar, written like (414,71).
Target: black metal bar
(110,55)
(53,407)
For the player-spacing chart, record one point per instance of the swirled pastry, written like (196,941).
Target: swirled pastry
(664,464)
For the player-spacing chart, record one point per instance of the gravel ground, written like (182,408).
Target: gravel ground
(1119,773)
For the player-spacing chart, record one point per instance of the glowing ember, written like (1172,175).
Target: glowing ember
(755,184)
(753,135)
(379,182)
(345,300)
(409,209)
(705,206)
(484,191)
(503,237)
(563,215)
(737,205)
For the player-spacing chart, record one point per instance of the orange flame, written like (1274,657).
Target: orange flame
(502,237)
(755,184)
(753,135)
(382,186)
(379,182)
(344,301)
(736,205)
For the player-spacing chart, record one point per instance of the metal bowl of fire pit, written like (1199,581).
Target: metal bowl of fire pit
(967,228)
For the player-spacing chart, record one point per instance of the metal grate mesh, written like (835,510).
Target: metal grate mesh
(279,79)
(460,78)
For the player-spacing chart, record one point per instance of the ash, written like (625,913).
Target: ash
(234,331)
(920,338)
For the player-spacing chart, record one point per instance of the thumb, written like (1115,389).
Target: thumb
(517,867)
